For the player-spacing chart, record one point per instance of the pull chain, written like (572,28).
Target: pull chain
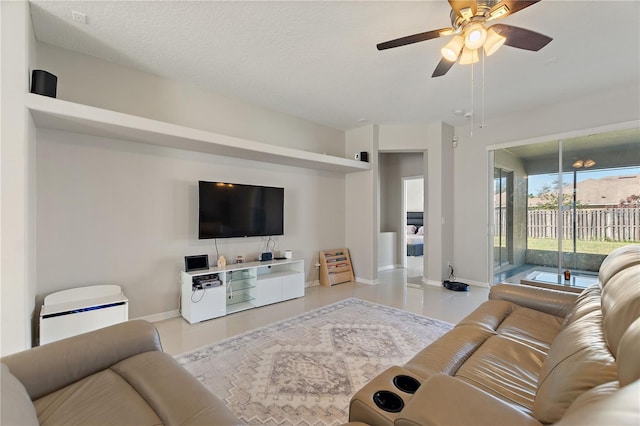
(482,124)
(472,103)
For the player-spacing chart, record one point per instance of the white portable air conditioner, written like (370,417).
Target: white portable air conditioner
(79,310)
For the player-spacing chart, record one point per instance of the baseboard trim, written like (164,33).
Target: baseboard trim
(386,268)
(474,283)
(431,282)
(161,316)
(365,281)
(463,280)
(314,283)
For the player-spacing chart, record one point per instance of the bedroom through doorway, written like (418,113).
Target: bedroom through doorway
(413,241)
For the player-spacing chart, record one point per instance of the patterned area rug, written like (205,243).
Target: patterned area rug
(304,370)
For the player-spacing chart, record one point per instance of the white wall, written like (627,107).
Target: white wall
(91,81)
(435,140)
(471,236)
(95,82)
(446,200)
(393,167)
(118,212)
(17,176)
(415,194)
(387,248)
(361,206)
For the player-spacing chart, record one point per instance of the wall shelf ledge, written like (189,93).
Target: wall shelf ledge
(52,113)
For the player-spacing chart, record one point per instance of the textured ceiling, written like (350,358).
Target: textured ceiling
(317,59)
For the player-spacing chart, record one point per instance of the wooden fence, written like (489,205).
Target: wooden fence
(611,224)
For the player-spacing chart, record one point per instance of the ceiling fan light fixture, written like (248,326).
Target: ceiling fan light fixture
(499,12)
(451,50)
(466,13)
(475,36)
(469,56)
(469,22)
(494,42)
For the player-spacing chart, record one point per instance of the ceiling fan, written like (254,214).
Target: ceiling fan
(468,19)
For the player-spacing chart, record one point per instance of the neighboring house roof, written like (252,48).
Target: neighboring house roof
(606,191)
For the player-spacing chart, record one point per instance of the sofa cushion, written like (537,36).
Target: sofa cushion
(627,357)
(592,396)
(48,368)
(530,327)
(505,368)
(438,401)
(102,398)
(172,391)
(620,408)
(449,352)
(619,259)
(489,315)
(16,406)
(588,301)
(578,360)
(620,304)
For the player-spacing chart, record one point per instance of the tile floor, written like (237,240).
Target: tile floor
(179,336)
(415,265)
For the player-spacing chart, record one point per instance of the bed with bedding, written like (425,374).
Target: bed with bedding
(415,234)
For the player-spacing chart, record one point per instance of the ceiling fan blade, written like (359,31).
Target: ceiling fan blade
(443,67)
(513,6)
(403,41)
(458,5)
(522,38)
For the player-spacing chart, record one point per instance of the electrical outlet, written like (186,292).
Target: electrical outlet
(79,17)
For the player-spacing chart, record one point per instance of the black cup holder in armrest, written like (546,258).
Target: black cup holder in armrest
(406,383)
(388,401)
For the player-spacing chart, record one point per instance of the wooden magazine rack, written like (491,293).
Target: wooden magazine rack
(335,267)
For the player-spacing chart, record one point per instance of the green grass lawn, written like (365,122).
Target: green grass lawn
(593,247)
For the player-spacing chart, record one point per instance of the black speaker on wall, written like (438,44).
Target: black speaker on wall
(43,83)
(362,156)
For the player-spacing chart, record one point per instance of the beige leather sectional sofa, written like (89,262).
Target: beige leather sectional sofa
(117,375)
(527,356)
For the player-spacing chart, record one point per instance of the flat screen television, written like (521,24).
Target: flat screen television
(235,210)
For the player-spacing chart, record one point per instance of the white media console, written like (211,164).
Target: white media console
(216,292)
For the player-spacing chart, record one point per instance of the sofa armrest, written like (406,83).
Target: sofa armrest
(50,367)
(553,302)
(445,400)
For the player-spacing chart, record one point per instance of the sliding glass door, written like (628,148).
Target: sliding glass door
(503,218)
(576,201)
